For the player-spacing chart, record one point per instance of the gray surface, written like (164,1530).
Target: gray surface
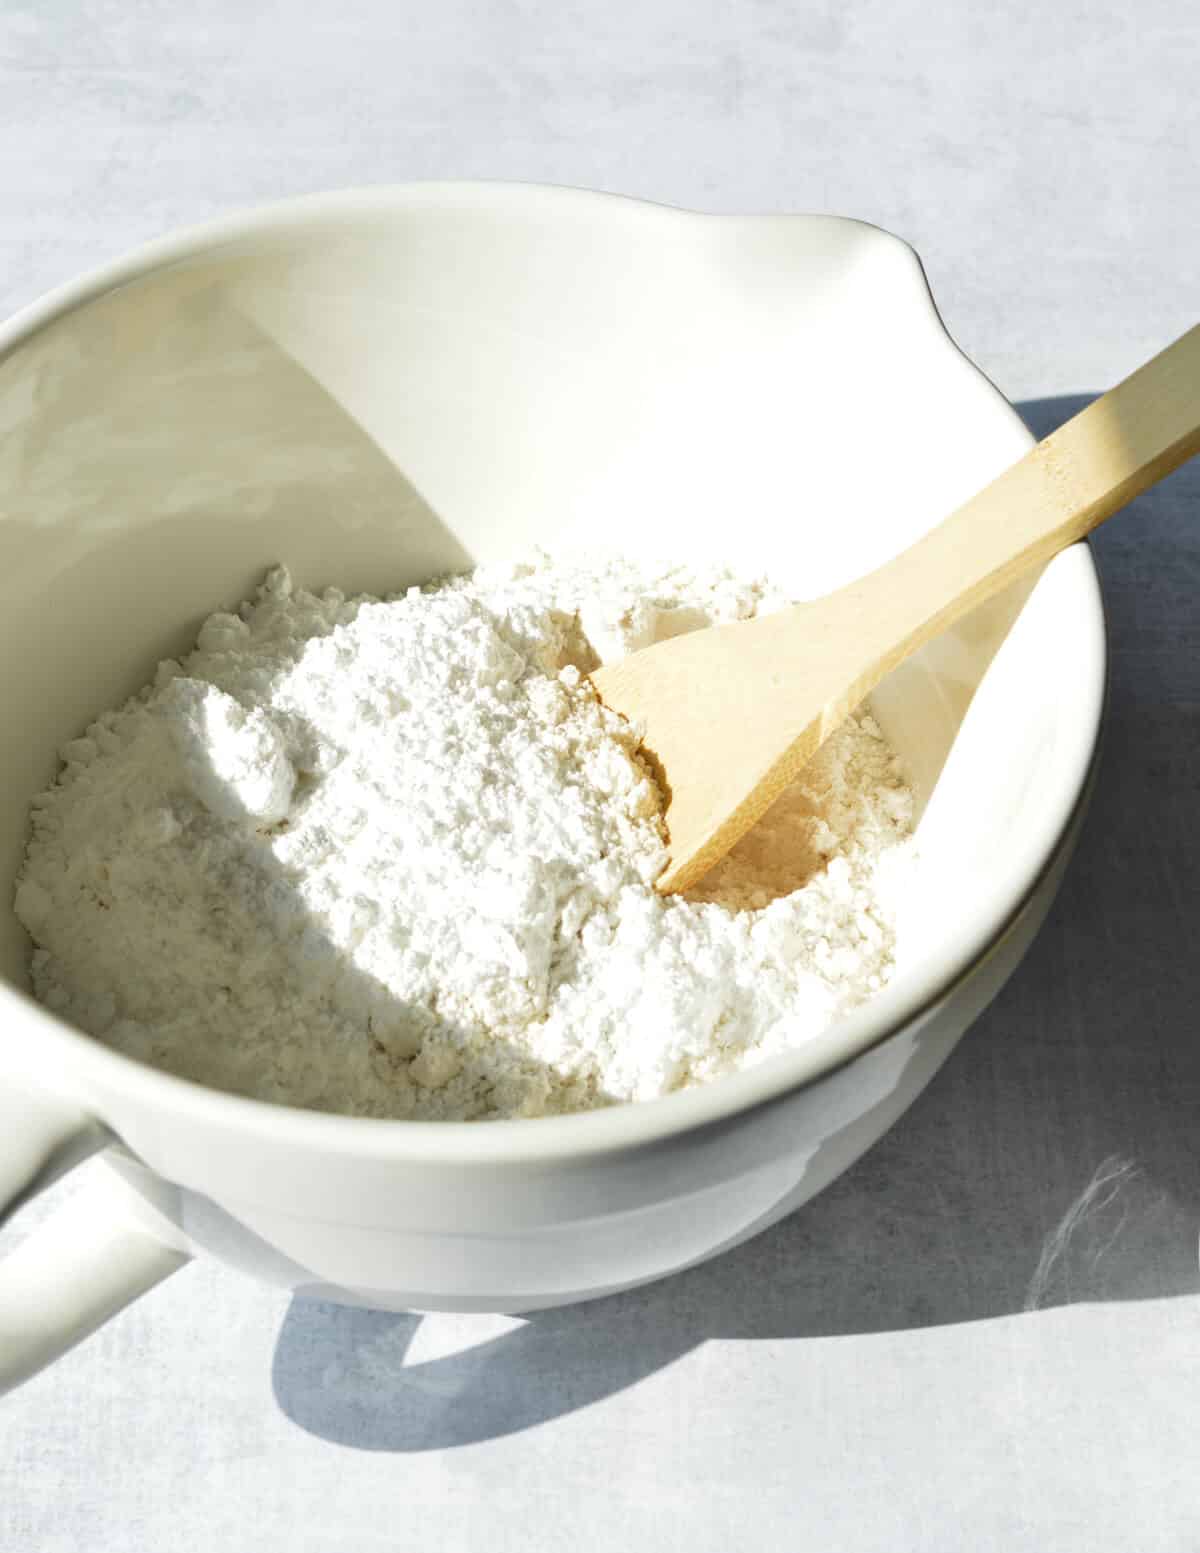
(866,1376)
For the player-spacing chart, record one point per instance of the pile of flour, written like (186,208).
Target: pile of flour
(395,859)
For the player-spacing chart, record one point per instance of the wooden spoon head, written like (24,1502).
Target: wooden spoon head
(728,718)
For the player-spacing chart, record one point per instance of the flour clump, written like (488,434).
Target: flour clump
(394,858)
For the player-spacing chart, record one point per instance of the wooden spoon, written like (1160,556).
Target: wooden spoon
(731,713)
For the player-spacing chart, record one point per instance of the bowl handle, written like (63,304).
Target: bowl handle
(83,1264)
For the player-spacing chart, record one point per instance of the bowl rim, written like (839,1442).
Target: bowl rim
(85,1068)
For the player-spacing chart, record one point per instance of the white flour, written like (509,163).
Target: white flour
(394,859)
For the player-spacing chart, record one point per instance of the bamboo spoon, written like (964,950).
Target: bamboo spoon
(731,713)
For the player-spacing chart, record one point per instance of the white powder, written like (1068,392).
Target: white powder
(395,859)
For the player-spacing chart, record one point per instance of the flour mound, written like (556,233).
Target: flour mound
(395,859)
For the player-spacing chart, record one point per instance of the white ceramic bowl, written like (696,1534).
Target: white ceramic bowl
(379,386)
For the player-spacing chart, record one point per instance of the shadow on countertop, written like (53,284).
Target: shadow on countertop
(1055,1159)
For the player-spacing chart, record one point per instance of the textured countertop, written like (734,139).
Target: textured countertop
(987,1335)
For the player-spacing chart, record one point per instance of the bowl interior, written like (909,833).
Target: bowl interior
(380,388)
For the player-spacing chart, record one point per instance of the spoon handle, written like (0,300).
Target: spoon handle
(1091,467)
